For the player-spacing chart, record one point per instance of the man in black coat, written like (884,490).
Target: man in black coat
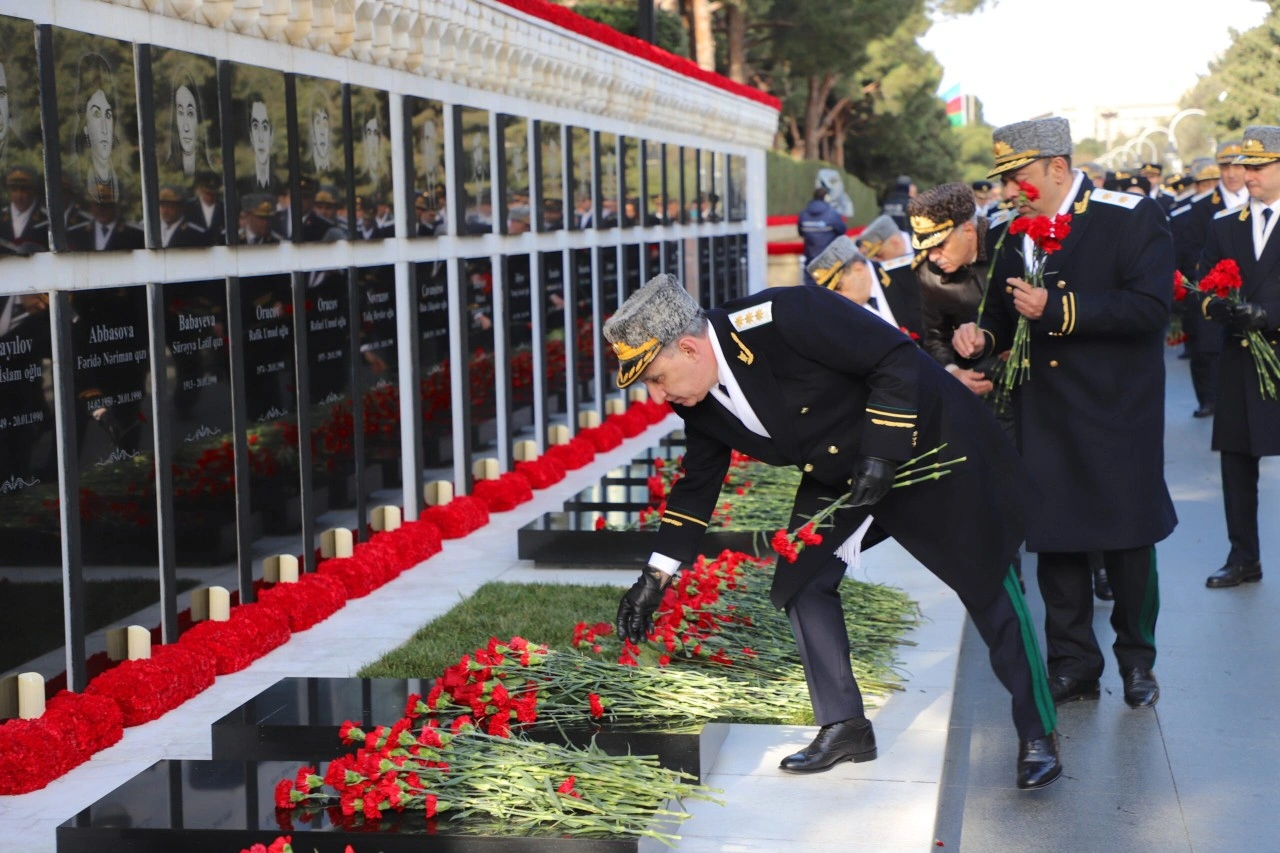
(800,376)
(890,291)
(1190,223)
(1247,425)
(1091,414)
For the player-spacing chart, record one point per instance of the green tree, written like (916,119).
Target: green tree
(1243,87)
(669,29)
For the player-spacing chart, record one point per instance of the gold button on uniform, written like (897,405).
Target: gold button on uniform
(1062,285)
(1053,362)
(804,410)
(808,466)
(833,450)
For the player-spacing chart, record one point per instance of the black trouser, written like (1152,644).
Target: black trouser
(1066,585)
(1240,501)
(817,620)
(1204,376)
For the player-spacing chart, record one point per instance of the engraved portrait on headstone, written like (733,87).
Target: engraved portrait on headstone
(261,133)
(322,160)
(425,119)
(188,149)
(551,177)
(515,164)
(476,213)
(581,179)
(98,123)
(375,215)
(24,221)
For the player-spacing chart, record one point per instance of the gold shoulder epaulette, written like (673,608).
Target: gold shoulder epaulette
(1231,211)
(897,262)
(749,318)
(1126,200)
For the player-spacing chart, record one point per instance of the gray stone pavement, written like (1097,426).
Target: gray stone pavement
(1198,772)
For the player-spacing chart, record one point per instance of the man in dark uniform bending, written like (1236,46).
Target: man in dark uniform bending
(800,376)
(1091,415)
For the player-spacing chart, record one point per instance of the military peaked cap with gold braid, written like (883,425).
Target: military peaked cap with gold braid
(1228,152)
(1022,142)
(935,213)
(1261,146)
(1204,169)
(826,268)
(879,231)
(653,317)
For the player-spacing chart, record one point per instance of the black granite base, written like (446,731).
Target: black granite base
(568,538)
(298,718)
(224,806)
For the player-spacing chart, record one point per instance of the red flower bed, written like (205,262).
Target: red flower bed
(505,493)
(147,689)
(573,22)
(631,423)
(607,436)
(542,472)
(654,413)
(35,752)
(311,600)
(251,632)
(574,455)
(459,517)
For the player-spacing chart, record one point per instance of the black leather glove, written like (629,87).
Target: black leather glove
(872,480)
(1246,316)
(1218,309)
(635,611)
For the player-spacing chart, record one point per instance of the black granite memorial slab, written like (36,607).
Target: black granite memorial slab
(435,386)
(655,188)
(513,185)
(97,124)
(260,146)
(632,189)
(371,153)
(298,718)
(566,538)
(329,363)
(378,376)
(609,180)
(24,220)
(706,286)
(323,181)
(610,495)
(737,188)
(553,306)
(199,400)
(582,181)
(720,269)
(428,195)
(216,806)
(482,398)
(473,182)
(186,201)
(549,175)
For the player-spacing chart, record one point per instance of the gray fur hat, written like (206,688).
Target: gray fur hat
(1261,146)
(826,268)
(1022,142)
(653,317)
(882,228)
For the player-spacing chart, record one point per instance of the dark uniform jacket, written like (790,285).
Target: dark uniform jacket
(831,381)
(185,236)
(818,225)
(1245,422)
(82,237)
(950,301)
(902,291)
(216,229)
(1190,222)
(1091,414)
(34,237)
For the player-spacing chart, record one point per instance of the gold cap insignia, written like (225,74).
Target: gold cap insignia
(640,356)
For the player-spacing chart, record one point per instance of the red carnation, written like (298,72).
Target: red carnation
(1029,191)
(597,707)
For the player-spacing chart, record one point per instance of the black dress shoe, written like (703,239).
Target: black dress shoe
(1038,762)
(1063,688)
(1102,586)
(1234,574)
(851,740)
(1205,411)
(1140,688)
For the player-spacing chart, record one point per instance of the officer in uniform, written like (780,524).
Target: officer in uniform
(24,228)
(895,203)
(175,231)
(259,214)
(206,209)
(893,296)
(105,231)
(320,223)
(1248,425)
(1154,173)
(1091,414)
(1190,223)
(798,376)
